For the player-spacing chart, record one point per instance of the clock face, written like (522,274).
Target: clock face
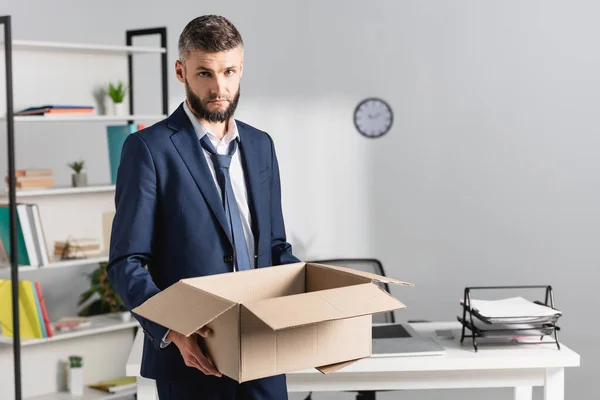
(373,117)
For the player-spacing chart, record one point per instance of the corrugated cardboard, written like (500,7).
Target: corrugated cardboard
(279,319)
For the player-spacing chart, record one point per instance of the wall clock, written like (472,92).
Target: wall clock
(373,117)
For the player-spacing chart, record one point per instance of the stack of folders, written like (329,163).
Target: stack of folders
(514,318)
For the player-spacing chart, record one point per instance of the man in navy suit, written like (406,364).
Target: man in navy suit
(197,194)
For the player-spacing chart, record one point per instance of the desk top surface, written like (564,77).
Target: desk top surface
(457,356)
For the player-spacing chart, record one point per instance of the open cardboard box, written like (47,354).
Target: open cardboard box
(279,319)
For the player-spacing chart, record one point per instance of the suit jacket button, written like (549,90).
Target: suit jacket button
(228,259)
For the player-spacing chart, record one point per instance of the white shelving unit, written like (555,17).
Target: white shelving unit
(85,118)
(61,263)
(59,191)
(68,211)
(104,346)
(99,324)
(88,394)
(83,47)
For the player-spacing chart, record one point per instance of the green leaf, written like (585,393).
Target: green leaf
(77,166)
(109,300)
(117,93)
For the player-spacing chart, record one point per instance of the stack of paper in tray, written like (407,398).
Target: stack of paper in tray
(511,317)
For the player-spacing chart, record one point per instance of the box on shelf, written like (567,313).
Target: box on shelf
(279,319)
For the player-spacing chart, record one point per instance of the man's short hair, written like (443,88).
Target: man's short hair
(211,33)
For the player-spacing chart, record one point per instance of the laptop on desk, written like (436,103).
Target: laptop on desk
(401,340)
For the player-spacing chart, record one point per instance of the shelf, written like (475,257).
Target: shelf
(82,47)
(100,324)
(60,191)
(60,264)
(77,262)
(88,394)
(85,118)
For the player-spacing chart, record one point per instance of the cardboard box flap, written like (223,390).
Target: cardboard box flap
(324,305)
(372,276)
(328,369)
(183,308)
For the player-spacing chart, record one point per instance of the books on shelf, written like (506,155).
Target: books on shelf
(115,385)
(31,240)
(77,248)
(31,172)
(56,109)
(32,179)
(33,315)
(67,324)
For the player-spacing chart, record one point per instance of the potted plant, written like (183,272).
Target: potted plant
(78,178)
(101,297)
(75,375)
(117,94)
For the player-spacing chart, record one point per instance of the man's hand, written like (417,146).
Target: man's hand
(191,352)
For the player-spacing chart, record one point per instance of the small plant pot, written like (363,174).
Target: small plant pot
(75,381)
(119,109)
(79,180)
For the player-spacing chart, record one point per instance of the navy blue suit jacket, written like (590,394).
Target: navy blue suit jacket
(169,222)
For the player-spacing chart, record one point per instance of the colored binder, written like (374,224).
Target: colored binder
(116,135)
(23,258)
(46,320)
(29,323)
(39,310)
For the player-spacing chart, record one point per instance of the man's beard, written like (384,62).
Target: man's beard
(197,106)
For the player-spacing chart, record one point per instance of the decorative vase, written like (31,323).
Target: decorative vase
(75,381)
(108,106)
(79,180)
(119,109)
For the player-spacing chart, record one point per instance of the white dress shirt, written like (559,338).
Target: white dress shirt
(236,174)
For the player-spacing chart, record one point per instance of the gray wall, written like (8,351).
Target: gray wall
(489,175)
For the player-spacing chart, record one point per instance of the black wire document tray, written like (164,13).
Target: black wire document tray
(513,320)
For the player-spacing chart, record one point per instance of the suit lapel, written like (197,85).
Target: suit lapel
(252,168)
(187,144)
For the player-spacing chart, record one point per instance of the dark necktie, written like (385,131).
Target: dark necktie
(222,163)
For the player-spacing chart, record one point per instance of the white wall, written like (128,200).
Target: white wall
(489,175)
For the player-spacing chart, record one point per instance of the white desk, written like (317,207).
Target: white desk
(520,367)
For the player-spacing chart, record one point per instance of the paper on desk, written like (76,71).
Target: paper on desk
(510,330)
(514,308)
